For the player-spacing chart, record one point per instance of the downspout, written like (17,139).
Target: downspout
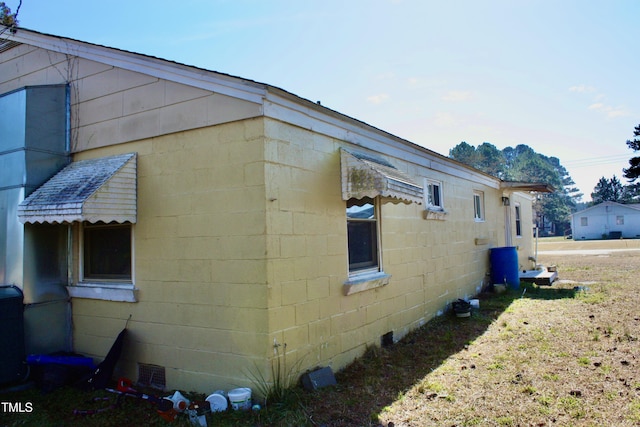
(69,331)
(67,103)
(67,147)
(508,241)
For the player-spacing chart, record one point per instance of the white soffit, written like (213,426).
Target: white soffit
(102,189)
(366,176)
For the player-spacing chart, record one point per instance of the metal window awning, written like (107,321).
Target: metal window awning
(366,176)
(102,189)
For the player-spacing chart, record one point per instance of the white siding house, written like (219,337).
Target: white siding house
(607,220)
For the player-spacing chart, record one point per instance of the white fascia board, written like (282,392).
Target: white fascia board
(336,125)
(163,69)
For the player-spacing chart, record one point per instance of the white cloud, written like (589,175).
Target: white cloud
(378,99)
(608,110)
(457,96)
(582,89)
(599,104)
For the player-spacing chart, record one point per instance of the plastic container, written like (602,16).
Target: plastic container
(475,303)
(217,402)
(504,266)
(240,398)
(180,403)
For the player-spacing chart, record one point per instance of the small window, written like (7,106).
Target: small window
(584,221)
(362,235)
(518,222)
(433,195)
(620,220)
(478,205)
(107,252)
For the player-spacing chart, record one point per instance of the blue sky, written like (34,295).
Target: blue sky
(558,75)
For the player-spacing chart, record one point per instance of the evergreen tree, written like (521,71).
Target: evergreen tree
(631,193)
(612,190)
(490,160)
(464,153)
(633,172)
(601,192)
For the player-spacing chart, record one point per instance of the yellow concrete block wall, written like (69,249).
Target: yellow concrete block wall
(200,248)
(431,263)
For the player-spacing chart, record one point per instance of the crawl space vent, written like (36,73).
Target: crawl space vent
(151,376)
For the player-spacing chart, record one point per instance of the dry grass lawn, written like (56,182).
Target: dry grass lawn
(561,355)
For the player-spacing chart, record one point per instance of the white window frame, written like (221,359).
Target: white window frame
(478,206)
(619,219)
(518,219)
(362,279)
(430,185)
(584,221)
(376,221)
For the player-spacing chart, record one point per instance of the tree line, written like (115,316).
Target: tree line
(523,164)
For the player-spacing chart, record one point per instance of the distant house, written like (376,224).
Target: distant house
(607,220)
(225,216)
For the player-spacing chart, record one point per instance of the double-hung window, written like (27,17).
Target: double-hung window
(478,205)
(362,235)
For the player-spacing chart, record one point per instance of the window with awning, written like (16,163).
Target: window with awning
(368,176)
(95,190)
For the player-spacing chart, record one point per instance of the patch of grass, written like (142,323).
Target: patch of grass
(584,361)
(634,411)
(592,297)
(529,389)
(278,389)
(505,421)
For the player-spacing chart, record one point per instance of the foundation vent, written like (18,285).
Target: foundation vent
(386,340)
(152,376)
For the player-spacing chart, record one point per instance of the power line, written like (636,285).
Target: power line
(594,161)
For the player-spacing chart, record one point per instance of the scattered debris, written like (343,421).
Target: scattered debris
(104,372)
(461,308)
(541,275)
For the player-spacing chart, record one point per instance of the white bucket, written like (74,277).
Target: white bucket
(240,398)
(217,401)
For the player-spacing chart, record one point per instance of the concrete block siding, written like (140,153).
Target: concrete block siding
(241,239)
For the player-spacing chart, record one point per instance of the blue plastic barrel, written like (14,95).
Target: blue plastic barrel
(504,266)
